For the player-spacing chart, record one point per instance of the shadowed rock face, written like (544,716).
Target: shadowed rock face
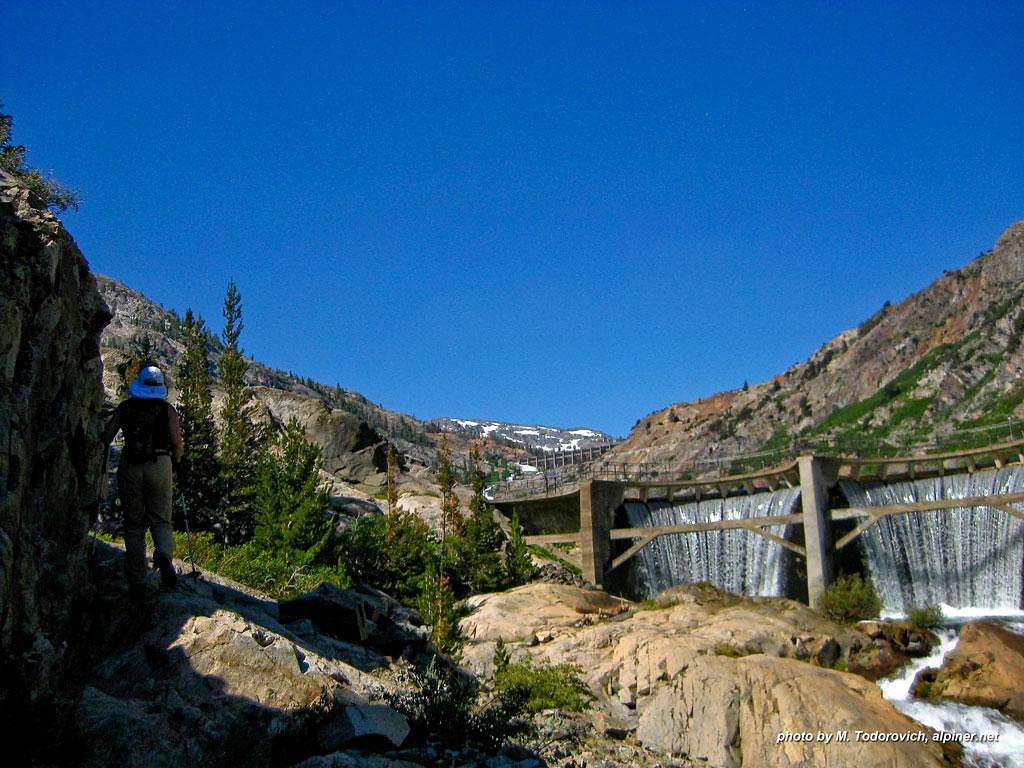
(51,317)
(208,675)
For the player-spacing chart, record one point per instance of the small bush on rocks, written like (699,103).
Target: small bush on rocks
(545,686)
(389,552)
(849,599)
(924,617)
(444,706)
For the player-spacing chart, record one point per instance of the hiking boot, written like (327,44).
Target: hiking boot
(137,593)
(168,576)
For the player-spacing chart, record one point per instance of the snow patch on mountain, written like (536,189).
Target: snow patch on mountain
(530,436)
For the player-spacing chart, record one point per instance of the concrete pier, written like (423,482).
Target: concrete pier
(598,501)
(814,485)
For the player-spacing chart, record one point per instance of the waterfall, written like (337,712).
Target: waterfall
(736,560)
(960,557)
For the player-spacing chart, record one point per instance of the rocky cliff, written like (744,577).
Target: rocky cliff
(51,316)
(946,359)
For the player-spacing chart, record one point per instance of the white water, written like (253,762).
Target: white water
(1007,750)
(962,557)
(739,561)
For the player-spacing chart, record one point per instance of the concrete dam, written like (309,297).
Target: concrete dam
(939,528)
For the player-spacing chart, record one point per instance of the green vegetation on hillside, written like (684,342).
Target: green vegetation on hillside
(851,429)
(53,194)
(278,574)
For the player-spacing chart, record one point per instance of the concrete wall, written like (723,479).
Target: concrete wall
(560,514)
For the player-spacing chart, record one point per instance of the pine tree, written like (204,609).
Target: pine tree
(451,518)
(518,565)
(198,478)
(240,437)
(140,354)
(437,608)
(479,548)
(391,488)
(290,494)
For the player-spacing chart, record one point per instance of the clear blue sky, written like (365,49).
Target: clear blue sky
(566,213)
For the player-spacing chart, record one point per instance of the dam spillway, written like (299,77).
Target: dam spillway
(965,557)
(735,560)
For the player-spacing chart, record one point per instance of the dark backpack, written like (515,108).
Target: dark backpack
(146,428)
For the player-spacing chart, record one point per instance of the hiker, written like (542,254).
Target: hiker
(152,443)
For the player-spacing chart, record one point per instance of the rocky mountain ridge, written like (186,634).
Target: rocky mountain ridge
(137,318)
(943,367)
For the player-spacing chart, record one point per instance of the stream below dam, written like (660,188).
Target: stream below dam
(1006,750)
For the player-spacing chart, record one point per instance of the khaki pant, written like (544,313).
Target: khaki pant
(145,493)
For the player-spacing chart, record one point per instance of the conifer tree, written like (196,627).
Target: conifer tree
(391,488)
(438,611)
(451,518)
(240,437)
(140,354)
(290,495)
(518,565)
(198,477)
(479,548)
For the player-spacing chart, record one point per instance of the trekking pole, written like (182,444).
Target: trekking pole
(101,497)
(188,535)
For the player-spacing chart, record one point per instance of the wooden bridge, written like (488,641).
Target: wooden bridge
(581,509)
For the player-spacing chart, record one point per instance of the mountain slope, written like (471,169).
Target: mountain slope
(946,359)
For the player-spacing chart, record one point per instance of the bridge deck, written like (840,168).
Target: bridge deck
(642,485)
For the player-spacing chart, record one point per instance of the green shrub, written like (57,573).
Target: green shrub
(849,599)
(389,552)
(546,686)
(277,574)
(925,617)
(443,705)
(730,650)
(12,159)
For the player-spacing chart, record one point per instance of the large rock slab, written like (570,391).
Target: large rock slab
(985,669)
(704,675)
(518,614)
(211,659)
(737,713)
